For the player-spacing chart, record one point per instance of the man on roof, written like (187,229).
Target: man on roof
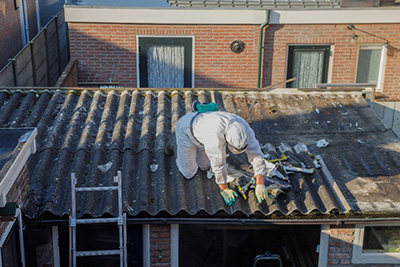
(202,138)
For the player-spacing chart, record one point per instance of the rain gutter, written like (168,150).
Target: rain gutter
(260,47)
(243,222)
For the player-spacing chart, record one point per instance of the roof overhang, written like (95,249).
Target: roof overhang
(90,14)
(27,146)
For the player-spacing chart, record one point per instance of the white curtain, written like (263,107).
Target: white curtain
(308,68)
(165,66)
(368,66)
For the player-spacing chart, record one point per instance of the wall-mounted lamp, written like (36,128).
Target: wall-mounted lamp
(351,27)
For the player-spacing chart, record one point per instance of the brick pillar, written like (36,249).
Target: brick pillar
(340,245)
(160,245)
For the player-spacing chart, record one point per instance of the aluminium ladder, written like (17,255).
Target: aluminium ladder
(120,220)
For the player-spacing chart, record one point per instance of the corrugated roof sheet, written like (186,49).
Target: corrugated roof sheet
(96,133)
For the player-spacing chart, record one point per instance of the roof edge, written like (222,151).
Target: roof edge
(91,14)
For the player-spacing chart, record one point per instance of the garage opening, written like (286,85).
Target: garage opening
(230,245)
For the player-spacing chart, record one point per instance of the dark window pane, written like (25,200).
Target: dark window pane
(11,249)
(381,239)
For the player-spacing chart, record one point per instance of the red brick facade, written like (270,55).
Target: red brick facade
(10,29)
(109,50)
(19,191)
(160,245)
(340,245)
(10,32)
(344,52)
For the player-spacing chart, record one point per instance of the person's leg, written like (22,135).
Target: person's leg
(185,153)
(186,160)
(202,160)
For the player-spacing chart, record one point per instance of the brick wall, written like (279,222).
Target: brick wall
(278,37)
(10,29)
(45,255)
(10,32)
(109,50)
(160,245)
(19,191)
(340,245)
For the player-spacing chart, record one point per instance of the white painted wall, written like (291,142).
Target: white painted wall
(389,112)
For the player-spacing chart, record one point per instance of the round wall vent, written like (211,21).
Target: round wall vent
(237,46)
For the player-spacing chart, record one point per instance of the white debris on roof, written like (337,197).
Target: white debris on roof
(322,143)
(105,167)
(153,167)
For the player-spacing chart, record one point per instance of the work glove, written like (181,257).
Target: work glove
(229,196)
(261,193)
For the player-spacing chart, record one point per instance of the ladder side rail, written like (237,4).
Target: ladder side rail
(125,241)
(73,218)
(120,221)
(70,242)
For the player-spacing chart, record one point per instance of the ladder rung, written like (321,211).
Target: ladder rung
(99,220)
(102,188)
(97,253)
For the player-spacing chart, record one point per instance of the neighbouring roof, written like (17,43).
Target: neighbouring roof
(96,133)
(266,4)
(120,3)
(283,4)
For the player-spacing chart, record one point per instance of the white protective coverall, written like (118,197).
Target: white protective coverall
(208,146)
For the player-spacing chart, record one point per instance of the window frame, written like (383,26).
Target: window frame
(359,257)
(382,62)
(327,59)
(165,39)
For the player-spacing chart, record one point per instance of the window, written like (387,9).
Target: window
(165,62)
(370,64)
(376,244)
(309,64)
(10,251)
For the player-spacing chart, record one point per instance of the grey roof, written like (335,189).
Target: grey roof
(96,133)
(11,142)
(120,3)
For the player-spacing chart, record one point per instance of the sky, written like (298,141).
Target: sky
(135,3)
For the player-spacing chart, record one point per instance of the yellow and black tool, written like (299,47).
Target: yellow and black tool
(276,160)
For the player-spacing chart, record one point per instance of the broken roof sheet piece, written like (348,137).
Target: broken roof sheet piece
(265,4)
(96,133)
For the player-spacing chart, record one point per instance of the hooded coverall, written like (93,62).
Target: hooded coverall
(205,144)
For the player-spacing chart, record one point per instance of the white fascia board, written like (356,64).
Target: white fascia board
(336,16)
(162,16)
(91,14)
(15,169)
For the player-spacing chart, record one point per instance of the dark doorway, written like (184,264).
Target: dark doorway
(101,237)
(224,245)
